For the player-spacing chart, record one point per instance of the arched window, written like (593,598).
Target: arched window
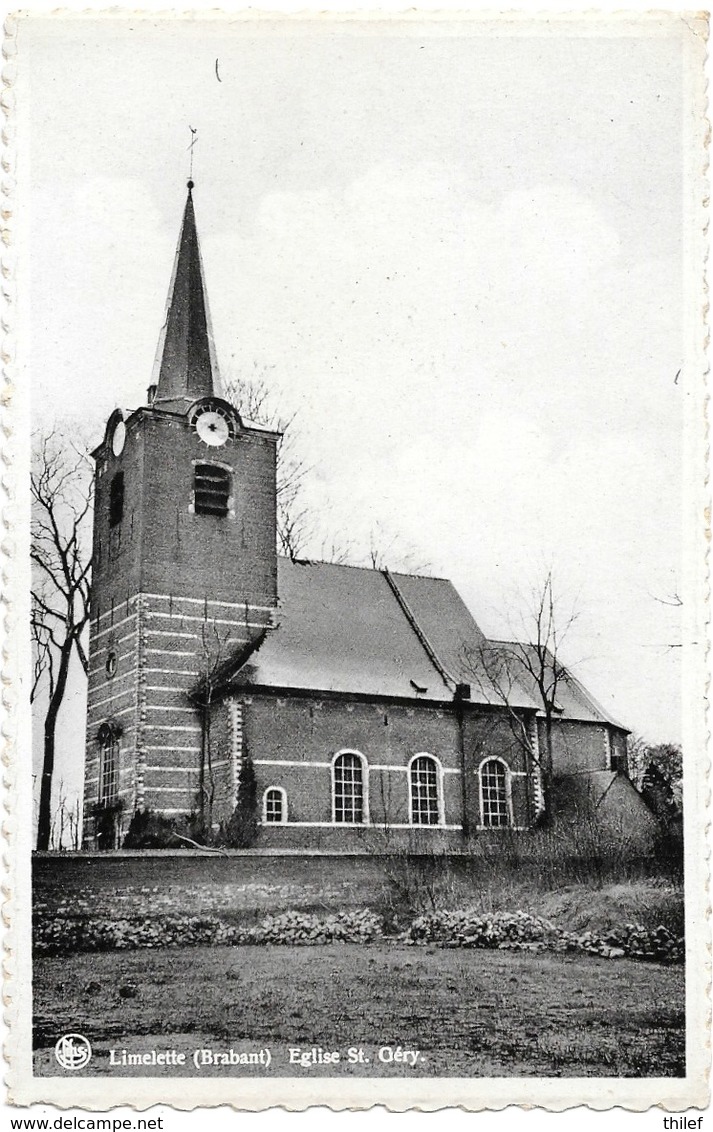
(211,490)
(108,736)
(116,500)
(274,806)
(423,780)
(349,803)
(494,794)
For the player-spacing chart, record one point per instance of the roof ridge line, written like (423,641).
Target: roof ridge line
(308,561)
(423,639)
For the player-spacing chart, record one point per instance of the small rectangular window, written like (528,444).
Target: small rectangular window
(211,490)
(116,500)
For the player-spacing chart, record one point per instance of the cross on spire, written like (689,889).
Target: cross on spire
(194,139)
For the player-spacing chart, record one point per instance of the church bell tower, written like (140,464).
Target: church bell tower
(184,571)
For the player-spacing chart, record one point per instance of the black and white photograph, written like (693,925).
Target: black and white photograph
(358,450)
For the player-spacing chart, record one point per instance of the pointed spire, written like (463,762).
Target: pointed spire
(185,367)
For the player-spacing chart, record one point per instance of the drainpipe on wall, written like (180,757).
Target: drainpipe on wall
(462,694)
(530,772)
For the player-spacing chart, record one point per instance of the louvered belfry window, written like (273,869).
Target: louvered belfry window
(116,500)
(211,489)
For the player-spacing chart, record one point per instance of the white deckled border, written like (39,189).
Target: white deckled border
(343,1093)
(13,422)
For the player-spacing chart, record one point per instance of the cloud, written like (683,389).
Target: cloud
(99,272)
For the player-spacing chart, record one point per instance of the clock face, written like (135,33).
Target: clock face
(212,428)
(213,423)
(118,438)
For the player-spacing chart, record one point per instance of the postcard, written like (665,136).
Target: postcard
(356,545)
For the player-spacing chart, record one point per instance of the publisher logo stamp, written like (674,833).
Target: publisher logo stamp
(73,1051)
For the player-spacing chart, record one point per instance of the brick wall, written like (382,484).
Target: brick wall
(231,558)
(293,741)
(174,594)
(113,697)
(161,545)
(578,746)
(619,750)
(495,734)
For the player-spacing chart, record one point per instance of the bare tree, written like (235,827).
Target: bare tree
(638,758)
(337,549)
(255,403)
(388,551)
(671,599)
(494,670)
(532,664)
(66,826)
(61,492)
(297,530)
(222,654)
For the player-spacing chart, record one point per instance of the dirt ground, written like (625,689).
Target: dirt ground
(466,1013)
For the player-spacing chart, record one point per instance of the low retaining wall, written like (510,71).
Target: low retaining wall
(56,874)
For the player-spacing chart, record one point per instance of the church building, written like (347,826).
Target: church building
(363,699)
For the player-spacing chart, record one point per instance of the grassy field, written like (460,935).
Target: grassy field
(469,1013)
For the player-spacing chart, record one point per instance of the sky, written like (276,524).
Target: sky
(454,251)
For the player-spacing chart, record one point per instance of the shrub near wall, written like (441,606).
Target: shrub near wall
(464,928)
(522,931)
(63,935)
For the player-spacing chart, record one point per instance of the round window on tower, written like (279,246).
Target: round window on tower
(112,662)
(116,432)
(118,438)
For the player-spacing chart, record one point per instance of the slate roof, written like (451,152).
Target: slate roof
(186,367)
(344,629)
(359,631)
(572,697)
